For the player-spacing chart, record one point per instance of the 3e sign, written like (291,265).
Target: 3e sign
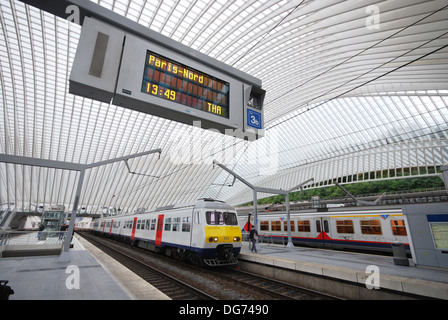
(254,119)
(165,79)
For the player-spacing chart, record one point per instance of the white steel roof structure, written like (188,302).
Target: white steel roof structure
(355,91)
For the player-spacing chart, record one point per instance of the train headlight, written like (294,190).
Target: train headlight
(236,239)
(213,239)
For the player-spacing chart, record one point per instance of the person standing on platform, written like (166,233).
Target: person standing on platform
(253,236)
(41,228)
(62,231)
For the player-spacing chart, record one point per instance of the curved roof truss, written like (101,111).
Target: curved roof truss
(354,88)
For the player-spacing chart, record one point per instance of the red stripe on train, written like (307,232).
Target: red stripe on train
(134,225)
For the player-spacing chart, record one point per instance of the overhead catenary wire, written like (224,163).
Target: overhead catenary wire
(267,33)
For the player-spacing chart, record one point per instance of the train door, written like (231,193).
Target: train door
(159,230)
(111,225)
(134,226)
(323,231)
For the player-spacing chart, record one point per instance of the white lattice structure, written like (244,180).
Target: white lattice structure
(356,90)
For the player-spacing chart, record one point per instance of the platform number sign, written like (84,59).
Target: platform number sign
(254,119)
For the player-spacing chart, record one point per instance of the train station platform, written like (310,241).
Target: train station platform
(346,274)
(89,275)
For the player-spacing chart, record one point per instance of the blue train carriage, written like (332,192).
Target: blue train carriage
(339,228)
(205,232)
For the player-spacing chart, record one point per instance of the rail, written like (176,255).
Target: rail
(172,286)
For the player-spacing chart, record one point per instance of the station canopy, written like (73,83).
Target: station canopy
(355,91)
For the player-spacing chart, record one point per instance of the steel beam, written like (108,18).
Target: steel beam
(28,161)
(141,154)
(267,190)
(36,162)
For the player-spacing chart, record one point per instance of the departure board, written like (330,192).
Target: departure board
(173,81)
(165,79)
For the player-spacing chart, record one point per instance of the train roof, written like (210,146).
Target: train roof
(198,204)
(332,211)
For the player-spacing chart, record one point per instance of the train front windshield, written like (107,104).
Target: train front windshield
(221,218)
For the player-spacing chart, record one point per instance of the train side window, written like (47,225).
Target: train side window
(176,224)
(318,227)
(197,217)
(160,224)
(304,226)
(345,226)
(186,224)
(276,225)
(398,228)
(293,226)
(326,226)
(168,224)
(371,227)
(153,224)
(264,225)
(147,224)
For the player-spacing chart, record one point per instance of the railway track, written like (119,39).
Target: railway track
(169,285)
(274,288)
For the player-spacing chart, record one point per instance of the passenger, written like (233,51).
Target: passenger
(40,229)
(62,230)
(253,236)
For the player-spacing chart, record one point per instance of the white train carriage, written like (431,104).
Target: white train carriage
(204,232)
(339,228)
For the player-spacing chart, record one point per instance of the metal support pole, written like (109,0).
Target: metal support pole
(288,219)
(65,255)
(255,210)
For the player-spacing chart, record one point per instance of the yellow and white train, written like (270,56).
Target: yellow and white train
(205,232)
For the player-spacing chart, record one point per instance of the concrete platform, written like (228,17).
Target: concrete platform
(352,268)
(87,276)
(136,287)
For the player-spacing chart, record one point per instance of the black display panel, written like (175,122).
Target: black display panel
(173,81)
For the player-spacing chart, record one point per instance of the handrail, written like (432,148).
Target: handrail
(8,237)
